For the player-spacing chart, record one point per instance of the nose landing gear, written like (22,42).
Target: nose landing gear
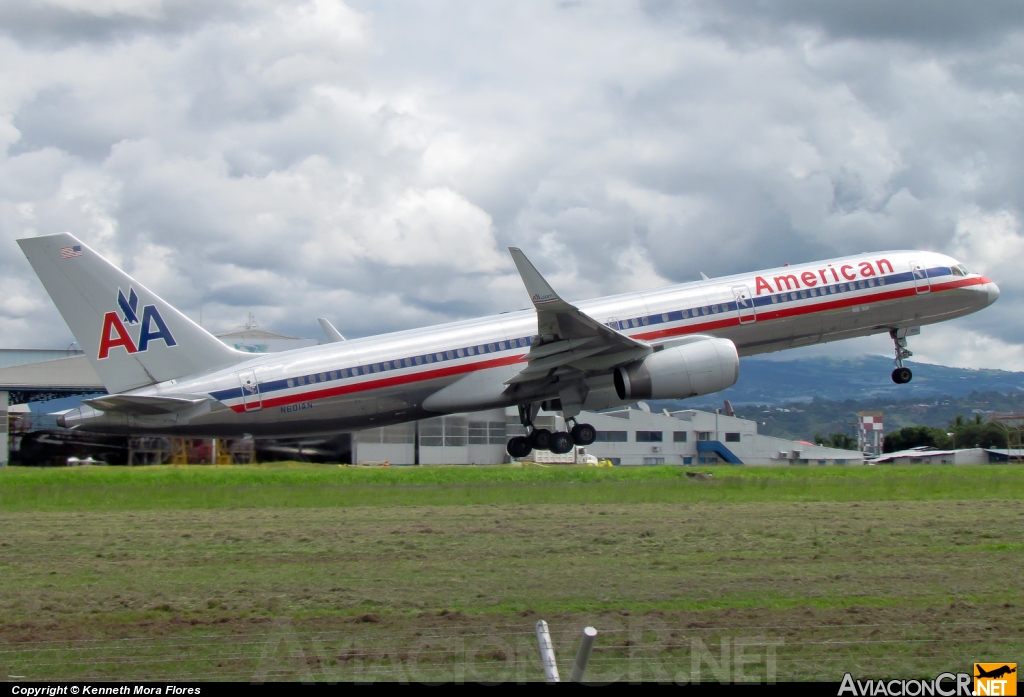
(901,375)
(559,442)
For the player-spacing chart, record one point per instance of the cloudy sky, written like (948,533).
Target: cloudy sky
(370,162)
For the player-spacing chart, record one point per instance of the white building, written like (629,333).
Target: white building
(42,374)
(626,437)
(256,340)
(50,373)
(458,439)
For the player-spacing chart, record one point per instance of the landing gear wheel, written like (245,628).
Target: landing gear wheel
(561,442)
(901,376)
(519,447)
(583,434)
(540,439)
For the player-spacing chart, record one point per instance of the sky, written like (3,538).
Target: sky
(371,162)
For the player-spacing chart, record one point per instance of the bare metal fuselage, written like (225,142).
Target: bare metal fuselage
(386,379)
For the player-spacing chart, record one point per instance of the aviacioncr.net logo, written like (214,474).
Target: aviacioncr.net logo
(944,685)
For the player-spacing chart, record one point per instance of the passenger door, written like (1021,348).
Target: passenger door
(744,305)
(922,283)
(250,390)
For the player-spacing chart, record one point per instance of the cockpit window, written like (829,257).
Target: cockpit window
(957,271)
(961,270)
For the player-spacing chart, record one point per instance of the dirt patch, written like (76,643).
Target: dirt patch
(914,590)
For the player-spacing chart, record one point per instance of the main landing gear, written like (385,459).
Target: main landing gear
(559,442)
(901,375)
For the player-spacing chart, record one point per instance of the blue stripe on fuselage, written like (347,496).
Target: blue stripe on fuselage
(700,312)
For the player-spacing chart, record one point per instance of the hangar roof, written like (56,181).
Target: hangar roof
(62,373)
(18,356)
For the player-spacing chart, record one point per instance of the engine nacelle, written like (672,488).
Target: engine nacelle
(700,366)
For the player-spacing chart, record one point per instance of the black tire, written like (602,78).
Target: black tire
(561,443)
(901,376)
(540,439)
(583,434)
(519,447)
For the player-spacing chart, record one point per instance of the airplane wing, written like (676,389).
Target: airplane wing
(569,341)
(144,405)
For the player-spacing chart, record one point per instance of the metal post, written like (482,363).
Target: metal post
(579,666)
(547,652)
(4,423)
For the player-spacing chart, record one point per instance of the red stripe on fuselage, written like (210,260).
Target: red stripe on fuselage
(730,321)
(384,382)
(767,315)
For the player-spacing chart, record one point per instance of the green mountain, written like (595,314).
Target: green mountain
(801,398)
(802,420)
(773,382)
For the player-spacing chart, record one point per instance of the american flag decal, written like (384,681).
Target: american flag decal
(71,252)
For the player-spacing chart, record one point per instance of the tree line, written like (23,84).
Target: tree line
(962,433)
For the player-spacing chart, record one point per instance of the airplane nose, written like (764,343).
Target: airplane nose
(993,292)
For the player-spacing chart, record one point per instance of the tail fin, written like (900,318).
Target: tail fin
(132,337)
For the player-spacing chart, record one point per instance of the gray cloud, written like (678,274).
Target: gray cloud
(369,162)
(939,23)
(57,23)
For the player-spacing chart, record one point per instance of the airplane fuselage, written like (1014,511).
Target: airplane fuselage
(386,379)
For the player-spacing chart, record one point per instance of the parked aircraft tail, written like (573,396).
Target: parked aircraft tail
(132,337)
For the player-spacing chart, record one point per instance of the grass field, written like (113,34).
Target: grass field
(328,573)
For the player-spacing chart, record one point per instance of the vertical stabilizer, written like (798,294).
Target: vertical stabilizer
(332,334)
(132,337)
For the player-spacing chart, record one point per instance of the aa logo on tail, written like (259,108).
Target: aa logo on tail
(152,326)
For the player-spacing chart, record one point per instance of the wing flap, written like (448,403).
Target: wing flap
(541,367)
(542,351)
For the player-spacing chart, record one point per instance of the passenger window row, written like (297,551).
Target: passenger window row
(816,292)
(829,290)
(633,323)
(398,364)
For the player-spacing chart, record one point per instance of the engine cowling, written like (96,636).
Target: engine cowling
(700,366)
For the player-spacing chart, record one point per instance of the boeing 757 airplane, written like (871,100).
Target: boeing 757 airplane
(167,375)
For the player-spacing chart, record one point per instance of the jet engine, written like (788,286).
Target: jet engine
(699,365)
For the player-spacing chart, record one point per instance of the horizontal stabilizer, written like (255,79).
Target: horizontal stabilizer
(144,405)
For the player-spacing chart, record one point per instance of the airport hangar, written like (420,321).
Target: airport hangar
(630,436)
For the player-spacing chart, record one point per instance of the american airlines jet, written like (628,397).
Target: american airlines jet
(166,375)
